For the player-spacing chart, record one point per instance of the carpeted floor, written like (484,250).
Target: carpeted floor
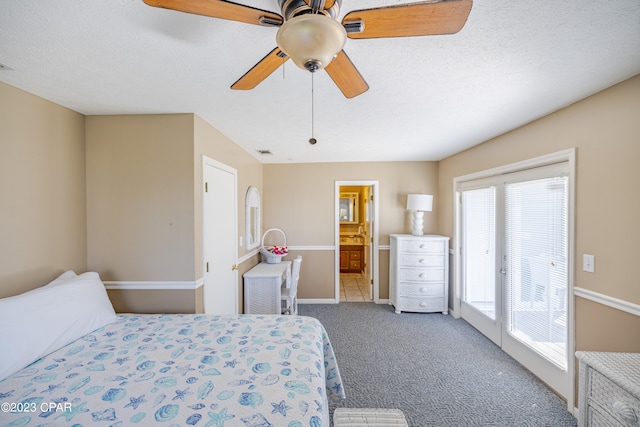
(438,370)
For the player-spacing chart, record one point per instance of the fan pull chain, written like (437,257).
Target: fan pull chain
(312,140)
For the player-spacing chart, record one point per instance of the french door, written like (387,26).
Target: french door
(515,270)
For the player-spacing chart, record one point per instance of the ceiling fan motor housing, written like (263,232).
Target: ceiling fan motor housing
(293,8)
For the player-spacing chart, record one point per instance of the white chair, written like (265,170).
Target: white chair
(289,296)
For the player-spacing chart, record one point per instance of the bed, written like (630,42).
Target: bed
(182,369)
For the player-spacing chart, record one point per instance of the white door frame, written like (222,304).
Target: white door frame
(207,161)
(375,268)
(569,156)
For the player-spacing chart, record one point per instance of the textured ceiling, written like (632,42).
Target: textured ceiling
(429,97)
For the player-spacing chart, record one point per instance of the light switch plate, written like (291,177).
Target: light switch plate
(588,263)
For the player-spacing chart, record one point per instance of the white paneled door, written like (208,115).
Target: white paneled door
(220,250)
(514,258)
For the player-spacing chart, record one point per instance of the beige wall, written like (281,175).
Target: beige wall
(144,204)
(300,201)
(140,201)
(120,195)
(42,191)
(605,129)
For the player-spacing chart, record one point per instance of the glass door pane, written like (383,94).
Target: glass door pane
(479,250)
(536,249)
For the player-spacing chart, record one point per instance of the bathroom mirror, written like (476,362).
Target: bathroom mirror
(348,208)
(252,218)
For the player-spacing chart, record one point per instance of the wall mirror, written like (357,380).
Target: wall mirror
(252,218)
(348,208)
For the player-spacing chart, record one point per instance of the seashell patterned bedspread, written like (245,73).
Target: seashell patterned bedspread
(182,369)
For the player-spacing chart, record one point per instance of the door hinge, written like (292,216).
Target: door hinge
(372,281)
(206,187)
(207,266)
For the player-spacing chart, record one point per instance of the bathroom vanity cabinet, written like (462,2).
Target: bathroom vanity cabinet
(351,258)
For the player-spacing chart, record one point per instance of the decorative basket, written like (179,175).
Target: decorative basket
(274,254)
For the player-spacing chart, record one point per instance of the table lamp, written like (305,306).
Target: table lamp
(419,204)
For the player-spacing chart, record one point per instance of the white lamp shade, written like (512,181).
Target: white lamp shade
(419,202)
(311,38)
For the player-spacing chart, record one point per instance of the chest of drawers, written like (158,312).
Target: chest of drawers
(418,273)
(609,391)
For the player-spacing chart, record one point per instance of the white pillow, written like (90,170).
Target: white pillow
(63,278)
(43,320)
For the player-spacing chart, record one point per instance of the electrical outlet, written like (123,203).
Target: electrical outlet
(588,263)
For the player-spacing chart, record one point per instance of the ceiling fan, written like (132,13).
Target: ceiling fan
(310,34)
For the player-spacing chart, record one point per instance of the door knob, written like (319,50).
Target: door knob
(234,267)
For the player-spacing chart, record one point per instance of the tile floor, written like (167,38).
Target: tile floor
(354,288)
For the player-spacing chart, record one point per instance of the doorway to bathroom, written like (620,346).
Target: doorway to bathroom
(356,241)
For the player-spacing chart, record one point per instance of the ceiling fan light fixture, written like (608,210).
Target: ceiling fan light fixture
(311,40)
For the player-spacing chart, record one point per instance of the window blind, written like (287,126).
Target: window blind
(536,227)
(479,249)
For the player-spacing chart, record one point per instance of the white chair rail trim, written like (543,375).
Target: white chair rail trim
(167,285)
(247,256)
(313,248)
(612,302)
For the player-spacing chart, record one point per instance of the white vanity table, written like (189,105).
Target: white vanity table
(262,287)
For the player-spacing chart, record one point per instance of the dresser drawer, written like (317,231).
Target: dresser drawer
(613,399)
(596,417)
(421,274)
(421,289)
(422,303)
(417,260)
(422,246)
(355,255)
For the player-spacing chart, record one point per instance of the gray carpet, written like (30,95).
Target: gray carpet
(438,370)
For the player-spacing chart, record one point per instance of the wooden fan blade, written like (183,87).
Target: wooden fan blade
(220,9)
(346,76)
(261,70)
(415,19)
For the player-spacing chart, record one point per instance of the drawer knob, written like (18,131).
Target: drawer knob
(421,275)
(422,246)
(625,411)
(423,304)
(421,261)
(423,289)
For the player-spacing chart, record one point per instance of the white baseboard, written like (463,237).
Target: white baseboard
(332,301)
(317,301)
